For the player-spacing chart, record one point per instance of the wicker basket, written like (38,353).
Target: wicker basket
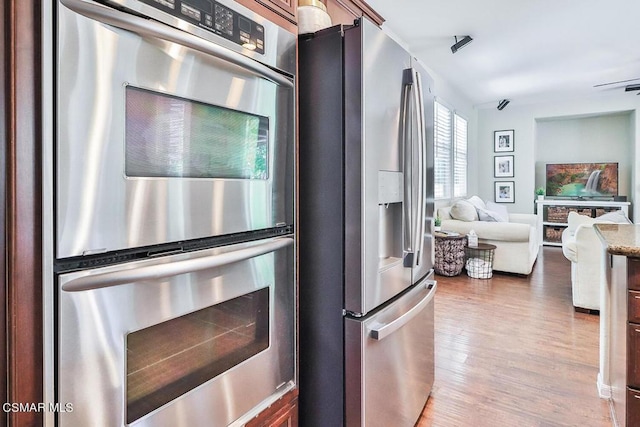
(557,214)
(449,255)
(560,214)
(553,234)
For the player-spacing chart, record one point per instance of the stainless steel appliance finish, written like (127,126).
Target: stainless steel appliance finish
(375,256)
(419,162)
(99,309)
(387,122)
(366,215)
(390,361)
(174,170)
(204,94)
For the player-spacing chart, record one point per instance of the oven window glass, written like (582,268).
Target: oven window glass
(168,136)
(167,360)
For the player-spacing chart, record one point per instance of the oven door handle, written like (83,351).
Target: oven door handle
(169,269)
(387,329)
(154,29)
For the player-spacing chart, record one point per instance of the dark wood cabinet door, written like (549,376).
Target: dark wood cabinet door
(633,355)
(633,407)
(633,307)
(283,413)
(633,274)
(287,417)
(288,6)
(345,11)
(276,11)
(21,160)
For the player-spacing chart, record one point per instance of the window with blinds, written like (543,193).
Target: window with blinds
(460,157)
(450,158)
(442,152)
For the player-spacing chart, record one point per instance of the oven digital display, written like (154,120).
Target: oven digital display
(169,359)
(167,136)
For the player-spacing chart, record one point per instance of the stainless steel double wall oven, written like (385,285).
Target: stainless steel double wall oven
(174,209)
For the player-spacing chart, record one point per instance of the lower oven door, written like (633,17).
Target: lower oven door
(185,340)
(389,360)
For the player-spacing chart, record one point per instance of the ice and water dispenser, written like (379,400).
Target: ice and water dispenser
(390,216)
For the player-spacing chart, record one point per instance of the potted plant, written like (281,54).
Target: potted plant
(540,193)
(437,223)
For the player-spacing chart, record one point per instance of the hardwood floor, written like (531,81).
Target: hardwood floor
(511,351)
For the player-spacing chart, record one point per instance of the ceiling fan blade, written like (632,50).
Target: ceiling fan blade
(616,83)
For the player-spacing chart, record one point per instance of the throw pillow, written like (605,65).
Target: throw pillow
(477,202)
(464,211)
(488,216)
(501,210)
(494,213)
(616,216)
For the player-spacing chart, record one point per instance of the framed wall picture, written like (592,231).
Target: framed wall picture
(503,140)
(503,167)
(505,192)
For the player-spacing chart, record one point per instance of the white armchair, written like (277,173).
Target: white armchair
(583,248)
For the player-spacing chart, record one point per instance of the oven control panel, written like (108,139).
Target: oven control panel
(217,18)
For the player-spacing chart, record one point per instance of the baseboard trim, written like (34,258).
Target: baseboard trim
(604,390)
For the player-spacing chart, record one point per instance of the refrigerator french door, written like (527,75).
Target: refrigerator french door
(366,214)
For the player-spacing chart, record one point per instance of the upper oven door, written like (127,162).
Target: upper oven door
(165,136)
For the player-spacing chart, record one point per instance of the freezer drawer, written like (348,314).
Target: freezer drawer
(390,360)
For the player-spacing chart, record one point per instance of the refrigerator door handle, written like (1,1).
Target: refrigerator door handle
(408,168)
(159,271)
(389,328)
(414,176)
(420,214)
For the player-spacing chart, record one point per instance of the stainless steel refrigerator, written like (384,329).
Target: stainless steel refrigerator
(365,221)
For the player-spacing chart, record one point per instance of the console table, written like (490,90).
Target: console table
(553,213)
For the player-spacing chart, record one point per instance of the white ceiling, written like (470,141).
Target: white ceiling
(525,51)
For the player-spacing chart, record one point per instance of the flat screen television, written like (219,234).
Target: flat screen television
(582,180)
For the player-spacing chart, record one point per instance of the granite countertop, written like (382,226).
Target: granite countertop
(620,239)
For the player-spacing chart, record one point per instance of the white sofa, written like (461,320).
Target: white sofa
(515,237)
(583,248)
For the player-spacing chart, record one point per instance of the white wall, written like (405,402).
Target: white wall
(522,119)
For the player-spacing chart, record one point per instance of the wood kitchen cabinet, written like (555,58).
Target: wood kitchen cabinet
(280,12)
(345,11)
(625,339)
(283,413)
(287,6)
(21,217)
(633,408)
(633,342)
